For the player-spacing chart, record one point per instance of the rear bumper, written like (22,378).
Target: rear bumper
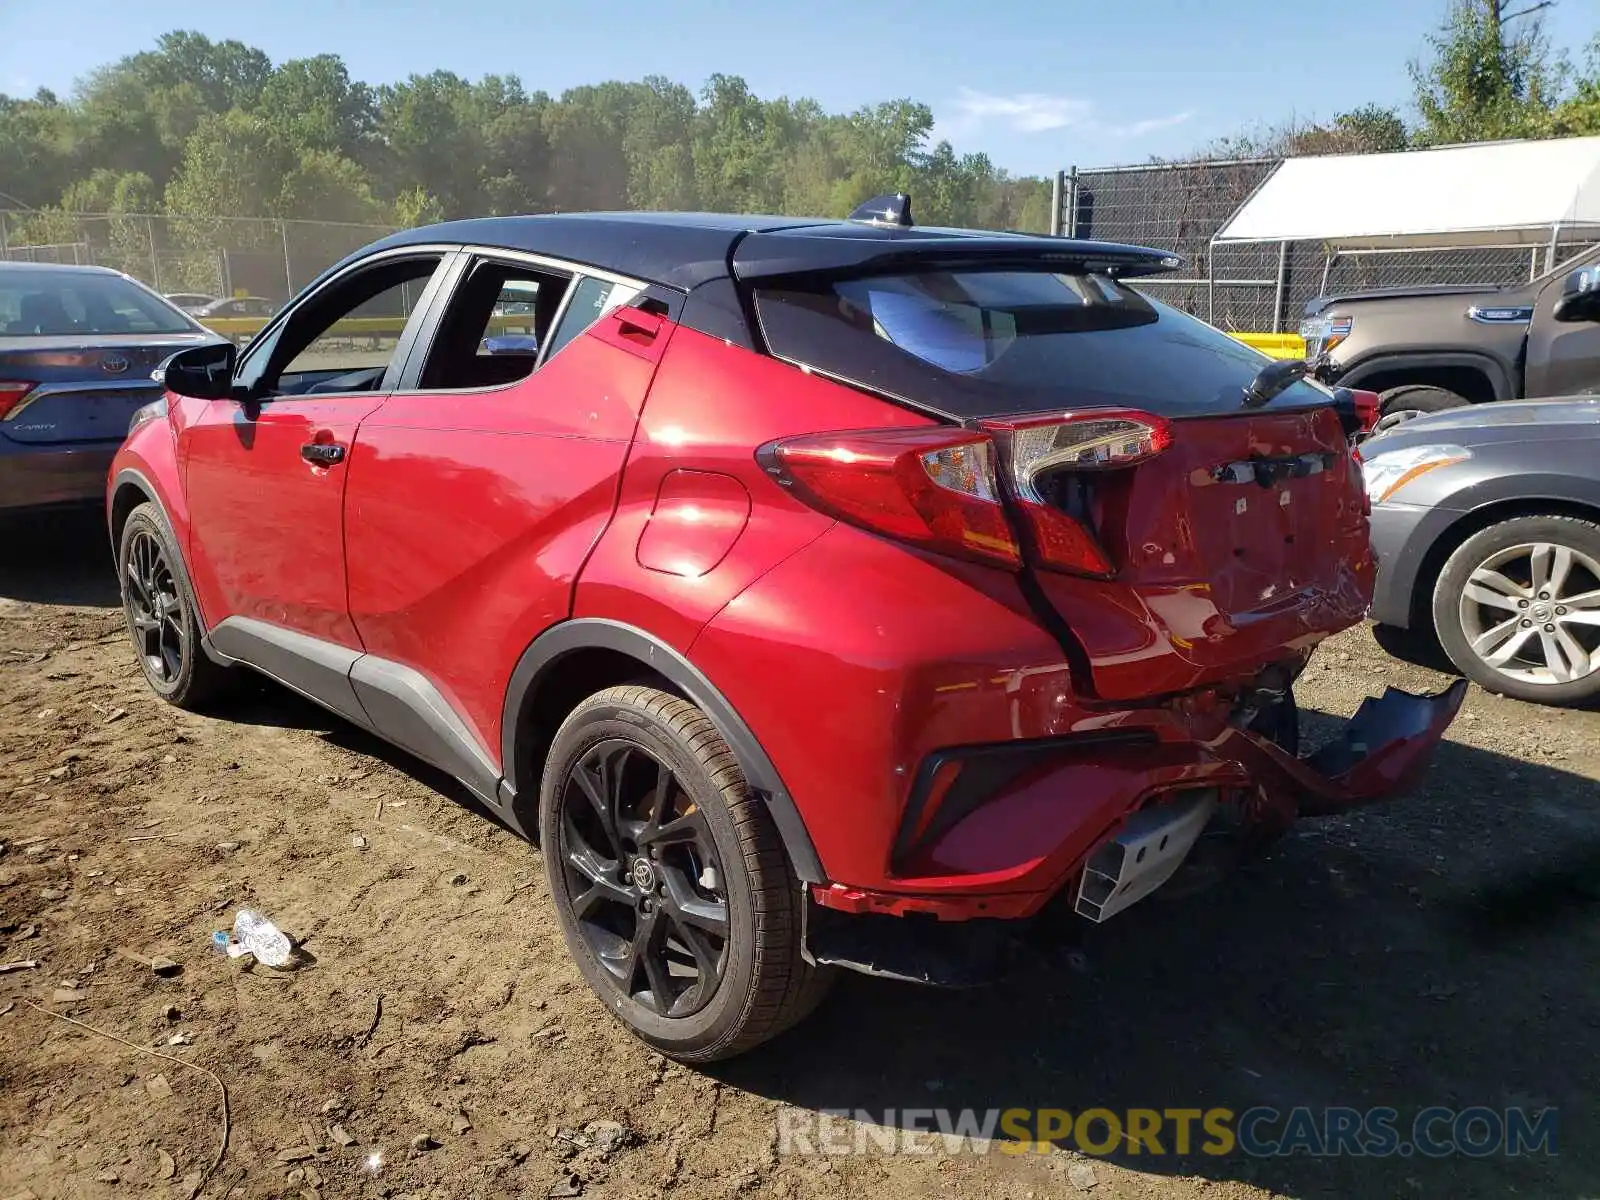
(1006,850)
(46,476)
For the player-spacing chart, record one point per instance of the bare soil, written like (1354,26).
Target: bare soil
(1438,950)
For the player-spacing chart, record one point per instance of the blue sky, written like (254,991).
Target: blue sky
(1036,84)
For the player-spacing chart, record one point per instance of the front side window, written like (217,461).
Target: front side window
(344,336)
(67,304)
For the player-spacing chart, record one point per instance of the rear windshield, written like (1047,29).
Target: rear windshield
(62,303)
(978,343)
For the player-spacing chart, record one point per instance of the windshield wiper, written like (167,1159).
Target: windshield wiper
(1272,379)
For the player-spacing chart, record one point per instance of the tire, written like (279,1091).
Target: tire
(1400,404)
(158,606)
(1527,643)
(679,805)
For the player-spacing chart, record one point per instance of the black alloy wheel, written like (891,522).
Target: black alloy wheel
(642,869)
(161,615)
(154,608)
(675,897)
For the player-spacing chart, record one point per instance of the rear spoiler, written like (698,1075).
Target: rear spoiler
(869,251)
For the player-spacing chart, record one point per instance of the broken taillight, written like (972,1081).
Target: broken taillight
(1032,448)
(933,487)
(938,487)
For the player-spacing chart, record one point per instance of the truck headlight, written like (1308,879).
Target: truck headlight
(1387,471)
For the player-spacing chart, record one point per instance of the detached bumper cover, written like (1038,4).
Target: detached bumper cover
(1382,753)
(1008,855)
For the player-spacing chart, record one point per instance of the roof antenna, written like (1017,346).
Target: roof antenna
(885,210)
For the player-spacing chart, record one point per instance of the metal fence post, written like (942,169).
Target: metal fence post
(288,271)
(1072,202)
(155,262)
(5,248)
(1056,187)
(1277,297)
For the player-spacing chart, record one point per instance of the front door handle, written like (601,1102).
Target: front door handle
(323,454)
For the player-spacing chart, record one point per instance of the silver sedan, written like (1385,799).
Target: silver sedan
(1486,521)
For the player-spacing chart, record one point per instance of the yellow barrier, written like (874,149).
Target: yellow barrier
(1278,345)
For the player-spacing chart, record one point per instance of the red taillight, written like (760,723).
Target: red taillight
(933,486)
(12,394)
(1095,440)
(1366,404)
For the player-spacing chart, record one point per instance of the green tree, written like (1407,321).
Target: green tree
(313,104)
(1489,74)
(1579,114)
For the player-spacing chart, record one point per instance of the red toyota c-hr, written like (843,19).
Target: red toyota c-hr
(817,593)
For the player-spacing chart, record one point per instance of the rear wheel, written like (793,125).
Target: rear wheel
(673,890)
(160,614)
(1401,404)
(1517,609)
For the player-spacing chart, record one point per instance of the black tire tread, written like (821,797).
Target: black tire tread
(786,988)
(1386,401)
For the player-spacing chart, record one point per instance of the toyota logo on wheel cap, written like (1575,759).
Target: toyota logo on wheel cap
(115,364)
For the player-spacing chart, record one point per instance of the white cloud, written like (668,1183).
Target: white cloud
(1149,125)
(1039,112)
(1025,112)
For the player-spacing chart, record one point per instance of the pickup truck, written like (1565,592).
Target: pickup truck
(1427,349)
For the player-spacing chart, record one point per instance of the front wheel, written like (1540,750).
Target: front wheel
(1517,609)
(673,890)
(161,616)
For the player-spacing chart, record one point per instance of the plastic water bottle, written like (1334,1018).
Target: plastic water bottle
(254,934)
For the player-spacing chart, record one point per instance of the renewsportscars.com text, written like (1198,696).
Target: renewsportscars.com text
(1432,1132)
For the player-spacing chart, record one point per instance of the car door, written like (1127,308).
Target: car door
(478,489)
(265,477)
(1563,356)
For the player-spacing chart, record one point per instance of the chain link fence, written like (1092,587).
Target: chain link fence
(1259,288)
(213,256)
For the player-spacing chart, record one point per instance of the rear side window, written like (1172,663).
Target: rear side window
(994,343)
(61,303)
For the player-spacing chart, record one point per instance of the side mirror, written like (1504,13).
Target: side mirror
(204,372)
(1580,296)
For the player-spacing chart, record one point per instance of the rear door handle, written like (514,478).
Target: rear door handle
(636,321)
(323,454)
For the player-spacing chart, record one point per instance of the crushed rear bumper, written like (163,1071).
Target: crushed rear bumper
(1040,819)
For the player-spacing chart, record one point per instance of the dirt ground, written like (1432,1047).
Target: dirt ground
(1440,950)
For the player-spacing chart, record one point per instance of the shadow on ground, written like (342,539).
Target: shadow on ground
(1438,951)
(58,557)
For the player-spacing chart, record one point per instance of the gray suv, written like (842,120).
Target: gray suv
(1428,349)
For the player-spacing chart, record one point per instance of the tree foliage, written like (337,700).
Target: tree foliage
(214,130)
(211,131)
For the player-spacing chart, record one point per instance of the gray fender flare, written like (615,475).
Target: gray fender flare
(588,633)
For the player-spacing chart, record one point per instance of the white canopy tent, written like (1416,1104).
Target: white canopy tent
(1496,194)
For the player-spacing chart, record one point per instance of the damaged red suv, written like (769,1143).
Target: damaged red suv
(816,593)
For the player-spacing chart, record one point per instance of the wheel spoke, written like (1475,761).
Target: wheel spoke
(1485,642)
(647,954)
(1489,587)
(137,592)
(1509,648)
(1548,565)
(690,827)
(1555,658)
(688,909)
(596,788)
